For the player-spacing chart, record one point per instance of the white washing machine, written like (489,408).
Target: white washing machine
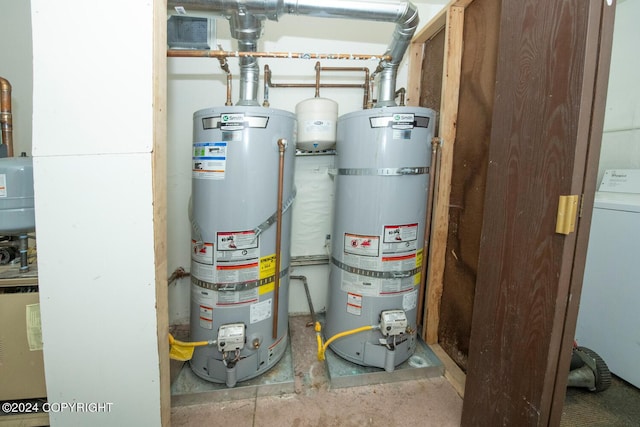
(609,315)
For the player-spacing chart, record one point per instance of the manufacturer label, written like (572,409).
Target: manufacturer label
(232,118)
(209,160)
(403,118)
(3,185)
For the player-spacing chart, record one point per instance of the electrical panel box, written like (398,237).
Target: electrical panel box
(393,322)
(231,337)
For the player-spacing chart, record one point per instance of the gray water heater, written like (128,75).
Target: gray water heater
(235,177)
(382,179)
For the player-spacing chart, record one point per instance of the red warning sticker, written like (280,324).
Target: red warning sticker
(362,245)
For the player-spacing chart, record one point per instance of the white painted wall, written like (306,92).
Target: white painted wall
(15,65)
(621,136)
(194,84)
(92,146)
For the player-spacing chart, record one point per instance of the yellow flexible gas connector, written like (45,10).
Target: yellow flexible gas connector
(318,329)
(322,348)
(173,341)
(183,351)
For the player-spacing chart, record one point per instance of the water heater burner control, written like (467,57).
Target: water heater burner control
(393,322)
(231,337)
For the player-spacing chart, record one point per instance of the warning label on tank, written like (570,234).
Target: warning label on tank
(237,245)
(357,284)
(400,233)
(410,300)
(202,253)
(207,299)
(267,266)
(260,311)
(362,245)
(389,262)
(209,160)
(232,272)
(354,303)
(230,298)
(204,272)
(417,277)
(399,263)
(204,300)
(237,257)
(396,286)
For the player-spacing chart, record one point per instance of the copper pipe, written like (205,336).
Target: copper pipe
(317,85)
(225,67)
(435,145)
(6,122)
(267,78)
(178,53)
(282,145)
(365,86)
(318,68)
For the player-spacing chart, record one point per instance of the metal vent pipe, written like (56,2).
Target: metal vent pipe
(246,16)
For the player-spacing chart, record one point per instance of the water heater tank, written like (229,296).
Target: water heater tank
(382,161)
(234,201)
(317,119)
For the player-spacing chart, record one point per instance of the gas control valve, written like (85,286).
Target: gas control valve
(393,322)
(231,337)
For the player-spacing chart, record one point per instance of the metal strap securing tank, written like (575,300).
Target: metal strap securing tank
(238,286)
(195,228)
(384,171)
(272,219)
(376,274)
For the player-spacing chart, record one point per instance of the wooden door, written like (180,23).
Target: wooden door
(550,90)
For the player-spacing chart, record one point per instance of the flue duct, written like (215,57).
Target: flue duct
(246,16)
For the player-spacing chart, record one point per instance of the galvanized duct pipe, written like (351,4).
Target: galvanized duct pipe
(245,17)
(247,29)
(403,13)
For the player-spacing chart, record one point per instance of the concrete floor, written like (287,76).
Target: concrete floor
(313,402)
